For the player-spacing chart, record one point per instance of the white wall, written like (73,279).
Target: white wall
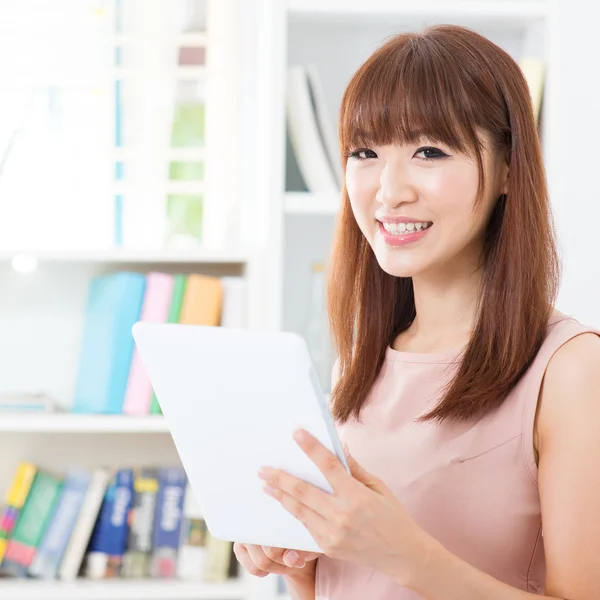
(574,168)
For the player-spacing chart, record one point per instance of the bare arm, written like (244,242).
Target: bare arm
(300,587)
(568,432)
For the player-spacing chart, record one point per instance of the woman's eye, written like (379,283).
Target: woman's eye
(363,154)
(430,153)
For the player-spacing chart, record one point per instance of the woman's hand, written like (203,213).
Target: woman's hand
(263,560)
(361,522)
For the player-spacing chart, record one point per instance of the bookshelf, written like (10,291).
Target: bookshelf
(67,423)
(122,590)
(305,203)
(259,229)
(511,11)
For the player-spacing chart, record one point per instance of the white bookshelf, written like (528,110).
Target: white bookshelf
(117,256)
(515,11)
(122,590)
(306,203)
(74,423)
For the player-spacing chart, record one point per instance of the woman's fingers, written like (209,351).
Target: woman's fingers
(290,558)
(263,562)
(243,556)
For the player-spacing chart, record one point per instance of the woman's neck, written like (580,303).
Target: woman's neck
(446,309)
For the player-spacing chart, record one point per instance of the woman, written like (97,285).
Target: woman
(468,405)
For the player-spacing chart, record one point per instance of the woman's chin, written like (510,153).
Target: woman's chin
(398,270)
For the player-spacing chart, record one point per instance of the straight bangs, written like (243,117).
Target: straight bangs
(393,102)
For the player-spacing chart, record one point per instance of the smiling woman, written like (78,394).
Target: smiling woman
(467,402)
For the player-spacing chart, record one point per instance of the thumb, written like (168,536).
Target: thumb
(361,474)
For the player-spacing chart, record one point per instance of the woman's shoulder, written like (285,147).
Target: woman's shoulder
(572,374)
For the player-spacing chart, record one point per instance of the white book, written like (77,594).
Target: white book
(192,559)
(305,135)
(234,303)
(75,552)
(326,123)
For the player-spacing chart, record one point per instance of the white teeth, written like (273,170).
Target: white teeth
(396,228)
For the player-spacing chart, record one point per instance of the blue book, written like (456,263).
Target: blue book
(109,538)
(167,522)
(114,305)
(49,554)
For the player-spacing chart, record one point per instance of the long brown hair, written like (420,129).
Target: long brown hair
(445,83)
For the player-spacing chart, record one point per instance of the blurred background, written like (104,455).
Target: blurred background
(176,160)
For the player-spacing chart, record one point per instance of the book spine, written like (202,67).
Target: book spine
(138,395)
(15,499)
(136,560)
(193,551)
(179,284)
(167,522)
(107,545)
(129,312)
(31,524)
(82,531)
(56,537)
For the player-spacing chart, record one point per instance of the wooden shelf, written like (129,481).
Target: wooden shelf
(513,10)
(77,423)
(306,203)
(116,256)
(151,589)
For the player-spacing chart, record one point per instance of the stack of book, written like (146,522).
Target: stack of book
(111,378)
(129,523)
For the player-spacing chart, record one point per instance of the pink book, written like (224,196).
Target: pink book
(155,309)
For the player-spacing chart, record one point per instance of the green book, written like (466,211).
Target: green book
(31,524)
(179,282)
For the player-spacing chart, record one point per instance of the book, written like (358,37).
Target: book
(179,283)
(15,498)
(534,73)
(114,305)
(305,135)
(104,556)
(202,301)
(22,402)
(325,123)
(234,303)
(218,559)
(167,522)
(47,559)
(193,551)
(155,309)
(86,519)
(31,524)
(136,560)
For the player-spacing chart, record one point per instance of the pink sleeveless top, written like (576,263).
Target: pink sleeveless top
(472,486)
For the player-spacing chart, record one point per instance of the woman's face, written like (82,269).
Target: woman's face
(415,204)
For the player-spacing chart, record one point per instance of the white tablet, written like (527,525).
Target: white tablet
(232,400)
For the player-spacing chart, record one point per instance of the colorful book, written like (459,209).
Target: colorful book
(82,531)
(179,283)
(47,559)
(136,561)
(14,500)
(167,522)
(109,538)
(114,305)
(157,300)
(202,301)
(31,524)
